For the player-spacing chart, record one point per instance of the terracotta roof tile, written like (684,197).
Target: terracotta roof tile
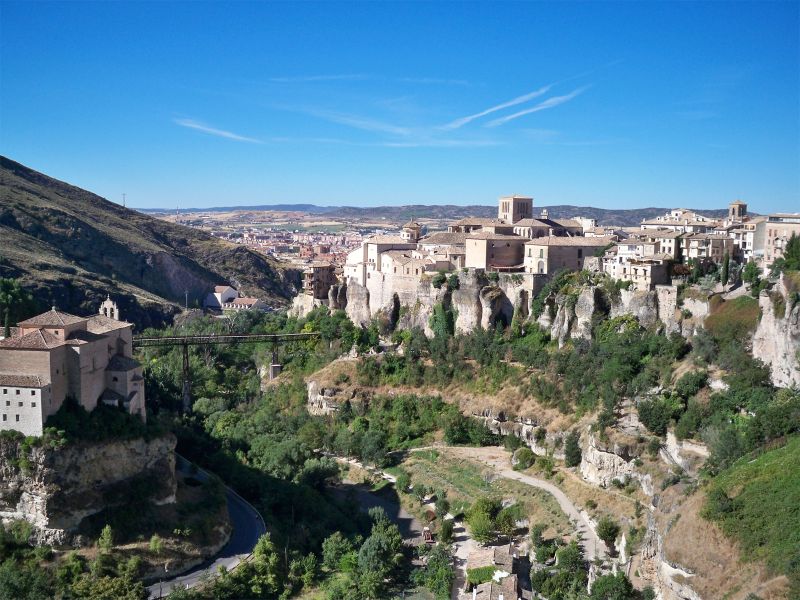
(51,318)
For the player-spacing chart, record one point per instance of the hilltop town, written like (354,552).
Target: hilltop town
(534,248)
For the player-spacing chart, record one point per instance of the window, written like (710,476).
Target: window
(17,392)
(17,416)
(33,392)
(541,252)
(19,404)
(8,402)
(5,417)
(33,404)
(580,252)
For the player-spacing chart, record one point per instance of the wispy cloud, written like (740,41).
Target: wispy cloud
(518,100)
(549,103)
(364,123)
(316,78)
(433,81)
(198,126)
(434,143)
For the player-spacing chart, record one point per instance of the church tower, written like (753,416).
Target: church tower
(514,208)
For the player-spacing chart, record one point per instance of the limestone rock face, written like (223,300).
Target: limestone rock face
(777,338)
(641,304)
(63,486)
(601,465)
(585,308)
(337,296)
(358,304)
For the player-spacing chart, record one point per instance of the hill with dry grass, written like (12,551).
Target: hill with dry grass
(71,248)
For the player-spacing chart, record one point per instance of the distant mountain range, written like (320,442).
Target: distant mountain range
(71,248)
(446,212)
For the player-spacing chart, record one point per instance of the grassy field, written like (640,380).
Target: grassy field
(465,482)
(761,506)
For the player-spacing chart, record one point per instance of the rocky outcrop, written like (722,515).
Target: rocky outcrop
(601,465)
(777,338)
(524,429)
(658,572)
(54,489)
(476,301)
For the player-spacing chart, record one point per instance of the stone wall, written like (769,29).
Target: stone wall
(777,338)
(57,488)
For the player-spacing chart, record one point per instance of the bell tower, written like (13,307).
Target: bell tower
(514,208)
(109,309)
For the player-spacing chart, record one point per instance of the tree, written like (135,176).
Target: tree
(570,558)
(7,327)
(726,265)
(106,540)
(572,449)
(750,274)
(612,587)
(790,261)
(446,531)
(439,575)
(482,527)
(334,547)
(607,530)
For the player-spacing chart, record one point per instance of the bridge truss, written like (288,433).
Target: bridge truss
(184,341)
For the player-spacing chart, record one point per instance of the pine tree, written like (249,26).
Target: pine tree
(726,265)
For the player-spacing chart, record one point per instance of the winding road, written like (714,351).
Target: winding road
(248,526)
(497,459)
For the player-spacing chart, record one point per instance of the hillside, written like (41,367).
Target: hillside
(449,212)
(70,248)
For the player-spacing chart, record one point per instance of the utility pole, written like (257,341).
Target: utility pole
(123,200)
(186,304)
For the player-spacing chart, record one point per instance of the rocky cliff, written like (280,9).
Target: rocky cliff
(477,301)
(777,338)
(56,488)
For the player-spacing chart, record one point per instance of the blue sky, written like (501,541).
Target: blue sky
(616,105)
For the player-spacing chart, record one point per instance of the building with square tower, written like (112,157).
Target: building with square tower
(514,208)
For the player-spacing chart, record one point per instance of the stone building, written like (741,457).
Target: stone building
(318,279)
(779,228)
(54,355)
(547,255)
(493,251)
(706,247)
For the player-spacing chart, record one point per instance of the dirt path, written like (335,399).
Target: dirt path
(498,460)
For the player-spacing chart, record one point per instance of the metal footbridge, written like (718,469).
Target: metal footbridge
(184,341)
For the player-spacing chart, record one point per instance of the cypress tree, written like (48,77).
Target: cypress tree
(726,264)
(7,330)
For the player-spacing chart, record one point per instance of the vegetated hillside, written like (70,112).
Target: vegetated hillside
(71,248)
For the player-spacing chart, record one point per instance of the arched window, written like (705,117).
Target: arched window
(541,266)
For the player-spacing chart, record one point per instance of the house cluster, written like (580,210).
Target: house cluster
(519,242)
(646,256)
(226,298)
(55,355)
(505,584)
(514,242)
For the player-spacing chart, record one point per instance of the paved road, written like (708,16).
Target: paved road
(498,460)
(248,526)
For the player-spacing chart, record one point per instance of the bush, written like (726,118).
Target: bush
(607,530)
(439,280)
(446,531)
(524,458)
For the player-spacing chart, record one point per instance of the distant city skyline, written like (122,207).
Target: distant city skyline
(612,105)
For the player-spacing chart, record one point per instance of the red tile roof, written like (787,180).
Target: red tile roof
(35,340)
(51,318)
